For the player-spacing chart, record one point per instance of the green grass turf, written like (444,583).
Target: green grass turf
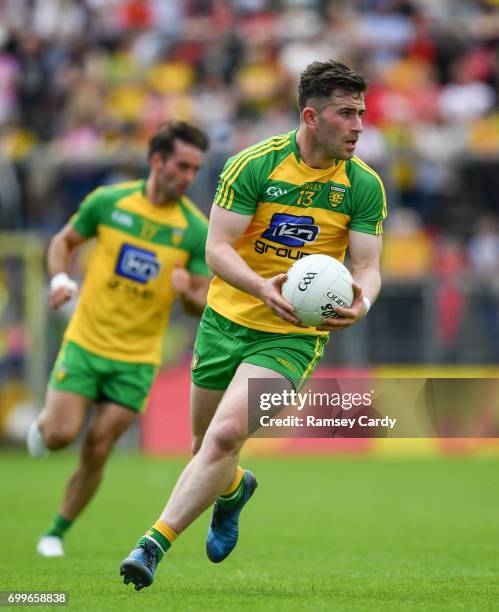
(320,534)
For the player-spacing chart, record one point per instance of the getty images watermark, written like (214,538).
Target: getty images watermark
(366,408)
(344,401)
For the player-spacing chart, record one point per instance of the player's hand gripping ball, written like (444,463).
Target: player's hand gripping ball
(315,285)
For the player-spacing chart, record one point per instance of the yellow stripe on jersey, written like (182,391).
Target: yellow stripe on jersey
(233,171)
(250,150)
(138,204)
(240,159)
(251,158)
(231,199)
(291,172)
(363,165)
(193,209)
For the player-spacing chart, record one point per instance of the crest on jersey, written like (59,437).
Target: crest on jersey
(195,360)
(176,236)
(336,195)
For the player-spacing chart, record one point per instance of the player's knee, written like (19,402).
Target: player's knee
(96,451)
(228,437)
(56,438)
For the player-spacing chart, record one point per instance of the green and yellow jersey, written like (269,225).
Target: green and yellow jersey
(297,211)
(127,294)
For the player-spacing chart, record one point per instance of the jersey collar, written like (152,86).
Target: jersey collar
(294,146)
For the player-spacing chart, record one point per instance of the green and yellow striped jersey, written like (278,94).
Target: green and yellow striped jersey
(127,294)
(297,210)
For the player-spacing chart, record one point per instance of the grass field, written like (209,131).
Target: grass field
(320,534)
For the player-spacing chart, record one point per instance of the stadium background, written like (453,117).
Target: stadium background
(83,84)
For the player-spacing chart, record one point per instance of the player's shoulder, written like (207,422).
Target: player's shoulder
(120,189)
(192,211)
(269,147)
(109,194)
(362,175)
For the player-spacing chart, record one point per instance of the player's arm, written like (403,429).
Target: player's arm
(365,252)
(60,251)
(191,288)
(224,229)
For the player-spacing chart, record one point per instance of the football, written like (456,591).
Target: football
(315,285)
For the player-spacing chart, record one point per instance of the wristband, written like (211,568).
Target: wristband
(367,304)
(62,280)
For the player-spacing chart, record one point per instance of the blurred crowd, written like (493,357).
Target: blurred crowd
(83,84)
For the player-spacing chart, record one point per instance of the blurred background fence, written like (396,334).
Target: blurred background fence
(84,83)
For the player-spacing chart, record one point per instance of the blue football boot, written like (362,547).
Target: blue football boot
(224,529)
(140,565)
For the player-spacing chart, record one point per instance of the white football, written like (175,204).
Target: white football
(315,285)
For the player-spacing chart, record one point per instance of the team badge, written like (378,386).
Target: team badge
(177,235)
(149,230)
(60,374)
(195,360)
(336,195)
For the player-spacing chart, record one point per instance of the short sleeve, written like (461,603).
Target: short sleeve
(197,260)
(86,219)
(369,206)
(237,188)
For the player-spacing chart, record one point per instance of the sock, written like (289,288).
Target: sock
(59,526)
(162,535)
(233,493)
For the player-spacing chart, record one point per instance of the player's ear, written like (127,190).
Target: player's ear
(309,116)
(156,159)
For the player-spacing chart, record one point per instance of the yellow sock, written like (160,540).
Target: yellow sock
(235,482)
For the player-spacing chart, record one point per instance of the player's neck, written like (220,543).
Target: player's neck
(310,154)
(156,196)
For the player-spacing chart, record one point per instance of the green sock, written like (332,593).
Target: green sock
(163,544)
(229,501)
(59,526)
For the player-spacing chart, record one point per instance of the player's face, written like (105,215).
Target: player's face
(339,124)
(176,172)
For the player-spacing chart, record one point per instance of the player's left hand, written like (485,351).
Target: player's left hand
(181,279)
(346,316)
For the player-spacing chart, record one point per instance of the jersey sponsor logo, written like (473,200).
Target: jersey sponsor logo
(317,187)
(291,230)
(122,218)
(335,195)
(274,191)
(262,247)
(137,264)
(306,280)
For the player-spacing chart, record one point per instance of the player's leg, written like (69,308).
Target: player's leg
(71,389)
(109,423)
(59,422)
(206,476)
(204,403)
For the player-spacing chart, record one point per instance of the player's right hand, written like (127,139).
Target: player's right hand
(271,295)
(62,289)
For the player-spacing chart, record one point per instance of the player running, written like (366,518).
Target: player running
(289,196)
(150,247)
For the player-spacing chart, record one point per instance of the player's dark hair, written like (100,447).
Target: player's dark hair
(164,139)
(320,79)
